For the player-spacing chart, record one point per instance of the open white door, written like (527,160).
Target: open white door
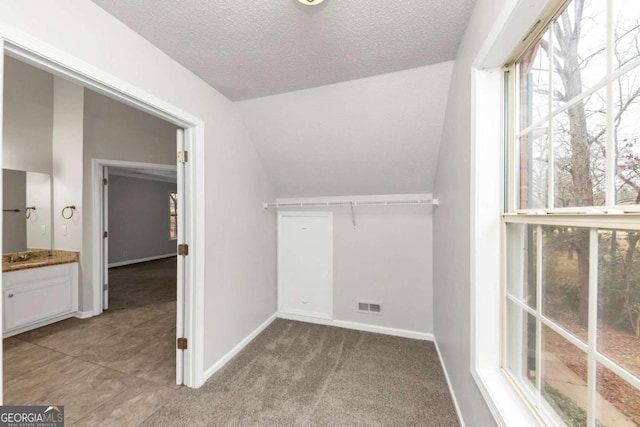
(105,237)
(182,264)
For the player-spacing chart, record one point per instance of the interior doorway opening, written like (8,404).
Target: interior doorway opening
(141,209)
(191,139)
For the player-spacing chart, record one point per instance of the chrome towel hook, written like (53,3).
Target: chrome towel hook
(71,209)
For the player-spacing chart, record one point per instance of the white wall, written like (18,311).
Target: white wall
(451,222)
(14,196)
(376,135)
(28,117)
(39,228)
(238,232)
(139,219)
(386,259)
(67,148)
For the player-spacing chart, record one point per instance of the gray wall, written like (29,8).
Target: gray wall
(115,131)
(451,223)
(28,117)
(14,225)
(387,259)
(138,218)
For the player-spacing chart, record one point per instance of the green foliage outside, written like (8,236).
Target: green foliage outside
(619,280)
(571,414)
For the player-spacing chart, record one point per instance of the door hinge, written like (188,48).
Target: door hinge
(181,344)
(105,287)
(105,181)
(183,249)
(105,234)
(183,156)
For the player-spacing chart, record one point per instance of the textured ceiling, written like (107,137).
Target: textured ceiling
(249,49)
(378,135)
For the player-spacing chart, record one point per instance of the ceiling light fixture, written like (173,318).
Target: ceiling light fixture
(311,2)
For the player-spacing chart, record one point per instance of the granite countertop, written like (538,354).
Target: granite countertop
(37,258)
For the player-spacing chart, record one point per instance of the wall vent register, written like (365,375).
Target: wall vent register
(370,307)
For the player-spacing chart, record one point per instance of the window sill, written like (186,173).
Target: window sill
(506,404)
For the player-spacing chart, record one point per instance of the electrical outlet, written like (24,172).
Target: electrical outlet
(64,230)
(124,253)
(43,229)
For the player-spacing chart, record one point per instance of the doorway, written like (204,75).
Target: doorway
(191,138)
(168,209)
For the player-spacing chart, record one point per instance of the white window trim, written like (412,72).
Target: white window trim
(504,400)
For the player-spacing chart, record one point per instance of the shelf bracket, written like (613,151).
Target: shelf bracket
(353,215)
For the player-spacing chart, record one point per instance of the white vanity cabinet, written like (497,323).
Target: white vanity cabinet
(38,296)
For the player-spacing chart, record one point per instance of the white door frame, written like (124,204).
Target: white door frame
(60,63)
(103,224)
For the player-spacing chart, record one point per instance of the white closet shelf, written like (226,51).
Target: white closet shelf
(276,205)
(353,203)
(407,202)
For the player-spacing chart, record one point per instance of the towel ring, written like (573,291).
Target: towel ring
(71,209)
(30,209)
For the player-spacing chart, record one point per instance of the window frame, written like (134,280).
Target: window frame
(170,215)
(594,218)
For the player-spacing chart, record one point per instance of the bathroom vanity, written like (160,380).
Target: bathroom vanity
(39,287)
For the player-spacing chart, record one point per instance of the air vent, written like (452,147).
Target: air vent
(369,307)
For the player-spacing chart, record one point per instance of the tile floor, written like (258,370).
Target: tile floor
(114,369)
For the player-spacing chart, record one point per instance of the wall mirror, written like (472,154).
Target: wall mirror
(26,205)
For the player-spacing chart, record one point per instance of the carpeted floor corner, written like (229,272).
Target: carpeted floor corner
(301,374)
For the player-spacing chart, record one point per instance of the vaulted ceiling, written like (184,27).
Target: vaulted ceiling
(344,98)
(249,49)
(377,135)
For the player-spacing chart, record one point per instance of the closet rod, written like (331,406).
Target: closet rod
(412,202)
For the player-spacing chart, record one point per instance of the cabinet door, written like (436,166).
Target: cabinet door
(36,301)
(305,264)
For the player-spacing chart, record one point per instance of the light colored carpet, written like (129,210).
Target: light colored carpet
(301,374)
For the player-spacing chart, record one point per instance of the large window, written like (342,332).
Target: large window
(572,253)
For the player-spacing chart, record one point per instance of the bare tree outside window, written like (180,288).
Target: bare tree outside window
(578,138)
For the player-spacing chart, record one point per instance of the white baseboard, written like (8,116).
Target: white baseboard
(359,326)
(453,395)
(83,314)
(139,260)
(235,350)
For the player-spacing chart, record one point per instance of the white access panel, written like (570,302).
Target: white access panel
(305,264)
